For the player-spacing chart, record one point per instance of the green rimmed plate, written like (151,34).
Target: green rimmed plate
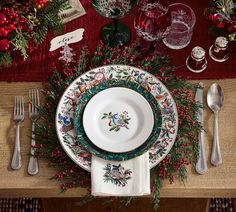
(93,149)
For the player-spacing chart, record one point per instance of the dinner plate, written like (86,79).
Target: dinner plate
(90,147)
(118,119)
(65,111)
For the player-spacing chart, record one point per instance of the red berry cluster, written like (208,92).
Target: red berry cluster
(8,20)
(220,23)
(185,110)
(40,3)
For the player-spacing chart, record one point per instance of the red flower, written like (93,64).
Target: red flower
(221,25)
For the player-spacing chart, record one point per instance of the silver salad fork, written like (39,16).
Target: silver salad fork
(18,118)
(33,114)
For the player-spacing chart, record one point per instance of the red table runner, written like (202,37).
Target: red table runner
(38,66)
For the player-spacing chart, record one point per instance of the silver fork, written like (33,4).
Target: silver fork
(18,118)
(33,167)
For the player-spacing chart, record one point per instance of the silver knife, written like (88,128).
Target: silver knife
(201,165)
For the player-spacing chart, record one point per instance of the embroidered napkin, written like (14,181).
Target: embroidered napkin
(120,178)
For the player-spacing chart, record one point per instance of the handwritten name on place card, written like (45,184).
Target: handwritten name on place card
(70,37)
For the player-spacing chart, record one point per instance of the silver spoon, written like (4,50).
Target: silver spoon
(215,100)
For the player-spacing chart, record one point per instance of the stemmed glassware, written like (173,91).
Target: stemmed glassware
(152,23)
(114,33)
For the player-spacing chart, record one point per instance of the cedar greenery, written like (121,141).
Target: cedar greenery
(183,152)
(20,43)
(49,19)
(38,22)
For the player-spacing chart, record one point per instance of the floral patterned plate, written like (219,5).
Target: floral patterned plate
(90,147)
(66,107)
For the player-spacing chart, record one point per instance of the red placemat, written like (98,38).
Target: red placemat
(38,66)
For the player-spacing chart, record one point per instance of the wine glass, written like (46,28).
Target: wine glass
(114,33)
(152,23)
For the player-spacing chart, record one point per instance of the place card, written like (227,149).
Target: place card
(70,37)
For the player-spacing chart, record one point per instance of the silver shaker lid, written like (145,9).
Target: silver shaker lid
(221,42)
(198,53)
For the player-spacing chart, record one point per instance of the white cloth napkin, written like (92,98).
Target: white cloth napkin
(120,178)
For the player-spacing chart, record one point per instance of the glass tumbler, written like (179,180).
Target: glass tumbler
(181,29)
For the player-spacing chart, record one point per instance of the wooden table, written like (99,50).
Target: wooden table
(218,181)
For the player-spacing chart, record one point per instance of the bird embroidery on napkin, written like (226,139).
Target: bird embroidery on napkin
(117,174)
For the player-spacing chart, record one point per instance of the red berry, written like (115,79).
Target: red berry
(5,33)
(10,27)
(40,3)
(3,18)
(4,45)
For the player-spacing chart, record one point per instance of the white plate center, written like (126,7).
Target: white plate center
(118,119)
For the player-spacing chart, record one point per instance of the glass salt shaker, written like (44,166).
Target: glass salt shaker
(219,51)
(197,62)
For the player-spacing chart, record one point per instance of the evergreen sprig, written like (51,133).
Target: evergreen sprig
(20,43)
(38,23)
(49,19)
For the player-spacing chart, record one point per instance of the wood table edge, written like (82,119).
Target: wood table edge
(79,192)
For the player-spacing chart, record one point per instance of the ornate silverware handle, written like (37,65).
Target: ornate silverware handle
(16,159)
(216,158)
(201,166)
(33,168)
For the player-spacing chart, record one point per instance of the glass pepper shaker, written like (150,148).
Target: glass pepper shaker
(197,62)
(219,51)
